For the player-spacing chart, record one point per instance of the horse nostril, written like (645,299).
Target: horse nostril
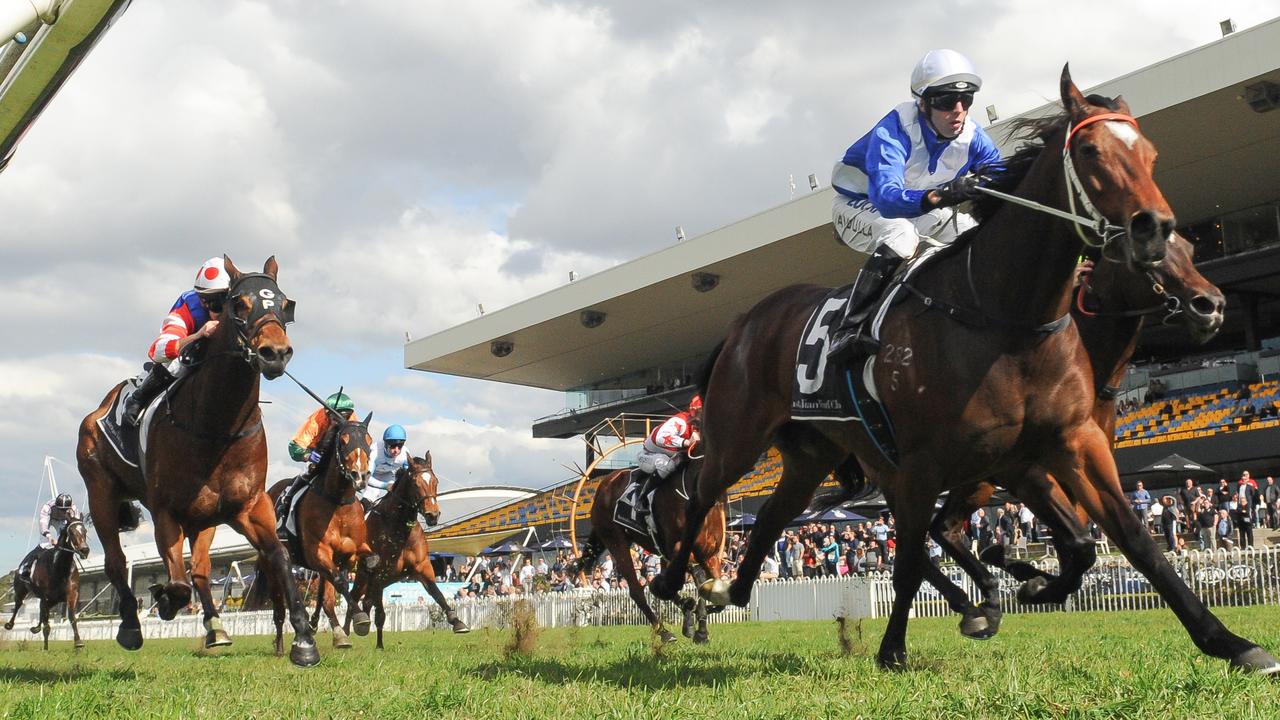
(268,353)
(1205,305)
(1166,228)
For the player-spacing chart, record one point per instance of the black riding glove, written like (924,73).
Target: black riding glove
(957,191)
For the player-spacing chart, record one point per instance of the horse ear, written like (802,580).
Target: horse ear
(1072,100)
(367,418)
(427,458)
(231,268)
(271,267)
(1123,105)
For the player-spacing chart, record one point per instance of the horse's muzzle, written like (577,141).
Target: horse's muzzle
(431,518)
(1204,314)
(1149,233)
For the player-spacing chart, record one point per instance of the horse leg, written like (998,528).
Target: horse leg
(982,621)
(19,594)
(912,510)
(1076,551)
(215,634)
(1101,495)
(361,618)
(73,598)
(699,635)
(620,549)
(806,460)
(104,505)
(44,621)
(174,595)
(427,576)
(328,600)
(275,586)
(719,471)
(257,523)
(322,588)
(379,612)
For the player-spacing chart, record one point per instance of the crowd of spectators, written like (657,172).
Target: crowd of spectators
(1210,517)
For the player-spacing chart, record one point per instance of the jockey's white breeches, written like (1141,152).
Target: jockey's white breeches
(658,463)
(864,229)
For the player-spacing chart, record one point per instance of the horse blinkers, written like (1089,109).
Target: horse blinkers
(264,306)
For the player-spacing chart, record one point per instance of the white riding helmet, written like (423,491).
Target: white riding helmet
(944,70)
(212,276)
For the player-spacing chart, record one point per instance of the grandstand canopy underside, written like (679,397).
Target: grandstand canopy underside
(1217,155)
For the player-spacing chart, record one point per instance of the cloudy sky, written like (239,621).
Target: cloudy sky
(406,160)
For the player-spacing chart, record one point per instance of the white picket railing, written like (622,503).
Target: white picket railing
(1237,577)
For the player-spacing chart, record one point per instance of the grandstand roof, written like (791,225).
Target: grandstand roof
(1216,155)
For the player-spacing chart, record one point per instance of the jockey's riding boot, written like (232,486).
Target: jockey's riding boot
(155,383)
(850,334)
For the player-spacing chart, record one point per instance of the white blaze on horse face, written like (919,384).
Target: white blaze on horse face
(1123,130)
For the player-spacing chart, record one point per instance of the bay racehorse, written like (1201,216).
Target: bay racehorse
(54,578)
(329,521)
(400,544)
(991,385)
(669,518)
(205,464)
(1112,304)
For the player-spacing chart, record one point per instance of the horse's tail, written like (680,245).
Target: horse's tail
(258,596)
(129,516)
(853,485)
(704,373)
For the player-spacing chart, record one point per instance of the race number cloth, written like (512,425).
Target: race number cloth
(819,391)
(633,509)
(123,437)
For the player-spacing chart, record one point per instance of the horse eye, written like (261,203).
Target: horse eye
(1090,151)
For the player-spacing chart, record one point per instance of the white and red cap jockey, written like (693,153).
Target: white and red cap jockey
(212,276)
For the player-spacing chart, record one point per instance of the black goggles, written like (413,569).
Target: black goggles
(395,443)
(946,102)
(214,303)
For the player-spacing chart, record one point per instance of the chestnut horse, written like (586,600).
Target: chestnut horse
(994,386)
(330,521)
(206,464)
(400,544)
(1109,332)
(54,579)
(669,518)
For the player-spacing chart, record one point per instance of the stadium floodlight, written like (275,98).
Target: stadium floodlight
(705,281)
(992,115)
(679,234)
(592,318)
(1227,27)
(813,181)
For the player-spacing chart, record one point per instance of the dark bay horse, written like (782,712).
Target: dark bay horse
(205,465)
(1111,307)
(995,393)
(400,544)
(330,521)
(669,518)
(54,579)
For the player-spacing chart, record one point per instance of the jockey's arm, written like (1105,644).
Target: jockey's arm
(178,332)
(45,511)
(887,152)
(305,439)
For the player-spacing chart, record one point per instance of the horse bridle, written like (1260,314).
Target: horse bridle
(269,306)
(339,449)
(1171,305)
(415,504)
(1104,229)
(66,532)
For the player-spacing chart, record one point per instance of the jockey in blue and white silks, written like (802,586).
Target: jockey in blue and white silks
(898,183)
(391,456)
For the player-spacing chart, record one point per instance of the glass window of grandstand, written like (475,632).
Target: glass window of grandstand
(1236,232)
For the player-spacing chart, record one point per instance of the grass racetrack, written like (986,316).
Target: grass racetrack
(1075,665)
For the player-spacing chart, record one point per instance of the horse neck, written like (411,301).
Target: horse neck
(1110,343)
(332,483)
(1023,259)
(223,394)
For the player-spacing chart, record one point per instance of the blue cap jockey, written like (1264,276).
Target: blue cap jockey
(391,456)
(899,183)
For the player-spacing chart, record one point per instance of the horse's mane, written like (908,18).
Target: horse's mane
(329,446)
(1034,132)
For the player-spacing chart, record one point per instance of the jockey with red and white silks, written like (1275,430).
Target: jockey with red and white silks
(193,316)
(663,449)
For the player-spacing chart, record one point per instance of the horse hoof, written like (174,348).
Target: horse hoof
(129,638)
(666,637)
(304,653)
(1031,591)
(216,638)
(361,623)
(739,594)
(976,627)
(662,588)
(79,645)
(894,660)
(701,638)
(35,630)
(460,627)
(8,626)
(993,556)
(340,640)
(1257,660)
(686,629)
(715,592)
